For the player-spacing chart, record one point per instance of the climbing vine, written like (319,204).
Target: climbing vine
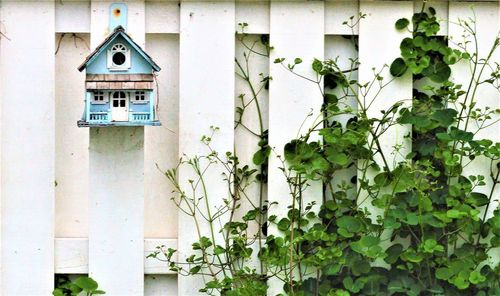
(411,222)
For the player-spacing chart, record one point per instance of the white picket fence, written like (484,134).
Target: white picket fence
(58,212)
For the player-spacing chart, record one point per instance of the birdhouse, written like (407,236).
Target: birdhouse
(119,84)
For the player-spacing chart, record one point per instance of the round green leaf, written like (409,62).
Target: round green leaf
(86,284)
(398,67)
(438,72)
(402,23)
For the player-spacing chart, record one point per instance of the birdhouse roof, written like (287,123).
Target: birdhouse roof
(119,31)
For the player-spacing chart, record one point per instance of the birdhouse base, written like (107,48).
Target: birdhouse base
(82,123)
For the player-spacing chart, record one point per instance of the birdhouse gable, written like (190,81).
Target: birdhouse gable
(119,54)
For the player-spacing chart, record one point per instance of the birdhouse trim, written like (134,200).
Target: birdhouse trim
(120,84)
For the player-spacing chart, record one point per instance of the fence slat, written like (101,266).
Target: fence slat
(296,31)
(375,53)
(161,142)
(487,18)
(116,193)
(27,185)
(206,98)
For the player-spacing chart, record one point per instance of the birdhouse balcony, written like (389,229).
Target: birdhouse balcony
(119,100)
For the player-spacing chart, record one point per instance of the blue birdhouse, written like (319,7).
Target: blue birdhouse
(120,84)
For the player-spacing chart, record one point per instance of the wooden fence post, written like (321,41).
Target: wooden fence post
(27,144)
(296,31)
(486,16)
(206,98)
(116,187)
(378,25)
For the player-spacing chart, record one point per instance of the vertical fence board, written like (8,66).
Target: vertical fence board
(71,142)
(116,213)
(206,93)
(487,18)
(161,142)
(27,185)
(343,51)
(296,31)
(245,143)
(373,53)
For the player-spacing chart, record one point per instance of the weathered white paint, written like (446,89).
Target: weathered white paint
(379,25)
(116,213)
(27,164)
(71,153)
(292,98)
(72,255)
(73,16)
(161,142)
(205,99)
(162,17)
(164,285)
(116,169)
(337,12)
(255,14)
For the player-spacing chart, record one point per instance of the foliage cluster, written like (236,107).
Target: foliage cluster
(82,285)
(413,222)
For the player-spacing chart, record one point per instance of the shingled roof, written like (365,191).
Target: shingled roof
(119,31)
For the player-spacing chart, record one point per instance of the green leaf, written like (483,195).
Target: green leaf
(393,253)
(460,282)
(398,67)
(86,284)
(317,66)
(369,241)
(195,269)
(284,224)
(339,158)
(402,23)
(332,269)
(297,61)
(431,246)
(351,285)
(445,117)
(455,214)
(350,224)
(260,157)
(218,250)
(475,277)
(438,72)
(443,273)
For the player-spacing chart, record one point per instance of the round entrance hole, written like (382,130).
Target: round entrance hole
(118,58)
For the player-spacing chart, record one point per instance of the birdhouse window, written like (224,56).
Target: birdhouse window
(140,97)
(99,97)
(119,57)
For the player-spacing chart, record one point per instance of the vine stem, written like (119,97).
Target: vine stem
(483,221)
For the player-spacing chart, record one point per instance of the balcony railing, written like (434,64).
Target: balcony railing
(140,116)
(99,116)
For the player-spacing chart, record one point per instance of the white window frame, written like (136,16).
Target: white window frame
(118,47)
(105,97)
(134,94)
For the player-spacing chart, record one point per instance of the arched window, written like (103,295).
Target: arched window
(118,57)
